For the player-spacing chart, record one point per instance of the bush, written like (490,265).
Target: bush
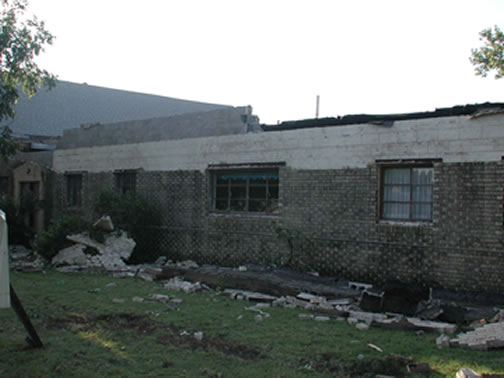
(51,241)
(132,212)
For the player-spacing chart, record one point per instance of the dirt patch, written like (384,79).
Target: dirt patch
(178,337)
(168,334)
(335,366)
(79,322)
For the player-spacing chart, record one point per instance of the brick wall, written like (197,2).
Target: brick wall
(330,218)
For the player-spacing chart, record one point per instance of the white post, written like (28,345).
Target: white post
(4,264)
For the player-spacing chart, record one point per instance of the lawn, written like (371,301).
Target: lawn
(92,328)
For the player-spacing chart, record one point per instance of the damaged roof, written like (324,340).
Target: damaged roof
(388,119)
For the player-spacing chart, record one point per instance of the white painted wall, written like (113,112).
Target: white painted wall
(454,139)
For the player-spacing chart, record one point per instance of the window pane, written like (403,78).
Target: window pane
(397,176)
(396,210)
(238,205)
(221,192)
(222,179)
(422,211)
(397,193)
(422,193)
(221,204)
(238,192)
(273,192)
(257,192)
(238,179)
(423,176)
(257,205)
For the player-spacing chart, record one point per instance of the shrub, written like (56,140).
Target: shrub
(51,241)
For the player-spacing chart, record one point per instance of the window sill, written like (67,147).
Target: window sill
(244,215)
(405,223)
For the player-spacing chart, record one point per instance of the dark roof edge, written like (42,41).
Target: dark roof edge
(460,110)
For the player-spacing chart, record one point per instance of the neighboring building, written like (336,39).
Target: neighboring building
(70,105)
(410,197)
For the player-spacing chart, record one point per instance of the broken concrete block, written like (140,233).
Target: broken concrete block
(161,260)
(73,255)
(306,316)
(198,335)
(180,285)
(443,341)
(362,326)
(104,223)
(467,373)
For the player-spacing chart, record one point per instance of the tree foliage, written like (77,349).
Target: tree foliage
(490,57)
(21,40)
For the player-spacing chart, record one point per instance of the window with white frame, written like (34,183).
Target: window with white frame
(245,190)
(407,193)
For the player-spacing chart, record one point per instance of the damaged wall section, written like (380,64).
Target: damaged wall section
(331,194)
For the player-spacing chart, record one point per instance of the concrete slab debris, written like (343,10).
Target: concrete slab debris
(489,336)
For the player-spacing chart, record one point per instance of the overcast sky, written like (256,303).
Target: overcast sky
(359,56)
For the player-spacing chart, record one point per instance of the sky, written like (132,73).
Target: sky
(359,56)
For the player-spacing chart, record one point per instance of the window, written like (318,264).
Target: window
(74,190)
(246,191)
(407,193)
(125,182)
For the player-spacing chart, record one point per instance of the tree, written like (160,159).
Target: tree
(490,57)
(21,40)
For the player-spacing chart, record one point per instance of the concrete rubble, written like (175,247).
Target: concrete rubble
(325,298)
(110,255)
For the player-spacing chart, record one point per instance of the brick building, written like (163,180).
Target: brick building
(410,197)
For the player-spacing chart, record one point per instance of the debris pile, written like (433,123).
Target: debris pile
(111,254)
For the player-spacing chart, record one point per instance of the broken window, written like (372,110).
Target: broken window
(74,190)
(246,191)
(406,193)
(125,181)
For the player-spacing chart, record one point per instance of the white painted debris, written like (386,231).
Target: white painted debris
(321,318)
(161,260)
(362,326)
(198,335)
(137,299)
(242,268)
(178,284)
(104,223)
(160,298)
(73,255)
(443,341)
(259,310)
(428,325)
(306,316)
(110,255)
(375,347)
(467,373)
(249,295)
(490,336)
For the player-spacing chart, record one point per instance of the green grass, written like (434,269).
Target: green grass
(86,334)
